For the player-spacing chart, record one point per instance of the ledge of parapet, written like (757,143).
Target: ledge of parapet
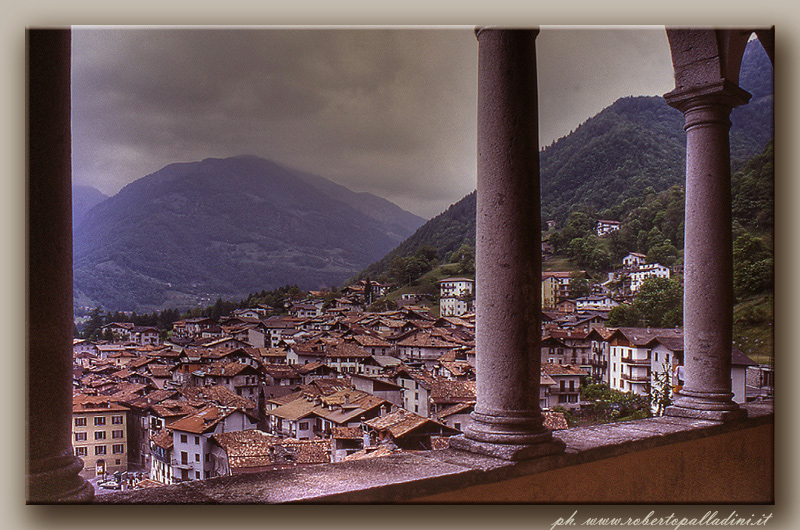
(406,476)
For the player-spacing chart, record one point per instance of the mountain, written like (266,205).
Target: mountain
(628,149)
(753,124)
(192,232)
(84,198)
(446,233)
(395,220)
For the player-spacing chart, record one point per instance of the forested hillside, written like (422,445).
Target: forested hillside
(627,163)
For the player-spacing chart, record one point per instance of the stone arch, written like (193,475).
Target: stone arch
(706,56)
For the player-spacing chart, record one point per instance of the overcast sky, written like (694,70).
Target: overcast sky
(389,111)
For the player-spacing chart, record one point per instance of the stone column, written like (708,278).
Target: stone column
(507,421)
(708,253)
(52,470)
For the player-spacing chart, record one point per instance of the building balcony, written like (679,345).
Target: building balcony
(731,462)
(564,391)
(183,465)
(635,378)
(636,362)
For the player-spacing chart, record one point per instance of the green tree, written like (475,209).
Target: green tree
(661,390)
(579,287)
(624,315)
(96,321)
(753,271)
(664,253)
(659,301)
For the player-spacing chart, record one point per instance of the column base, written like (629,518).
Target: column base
(710,415)
(58,482)
(710,406)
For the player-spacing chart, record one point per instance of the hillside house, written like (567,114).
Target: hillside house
(643,272)
(633,260)
(606,226)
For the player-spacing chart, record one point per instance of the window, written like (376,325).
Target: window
(99,420)
(197,440)
(80,436)
(116,420)
(207,457)
(184,457)
(81,451)
(117,433)
(457,426)
(183,438)
(655,356)
(118,449)
(197,457)
(100,435)
(197,474)
(303,425)
(80,422)
(100,449)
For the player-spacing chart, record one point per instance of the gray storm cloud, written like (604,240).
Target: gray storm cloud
(389,111)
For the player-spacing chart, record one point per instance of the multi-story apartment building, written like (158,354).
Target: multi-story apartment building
(653,270)
(631,357)
(191,445)
(555,287)
(456,296)
(99,434)
(566,388)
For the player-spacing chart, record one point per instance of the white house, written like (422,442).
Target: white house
(566,388)
(654,270)
(633,260)
(453,287)
(667,357)
(605,226)
(454,306)
(191,444)
(631,357)
(456,296)
(595,302)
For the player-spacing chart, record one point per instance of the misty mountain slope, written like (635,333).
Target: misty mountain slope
(221,227)
(395,219)
(84,198)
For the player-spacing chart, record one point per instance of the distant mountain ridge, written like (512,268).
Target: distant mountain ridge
(84,198)
(192,232)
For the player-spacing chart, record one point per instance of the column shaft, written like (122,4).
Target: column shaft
(507,421)
(708,254)
(52,473)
